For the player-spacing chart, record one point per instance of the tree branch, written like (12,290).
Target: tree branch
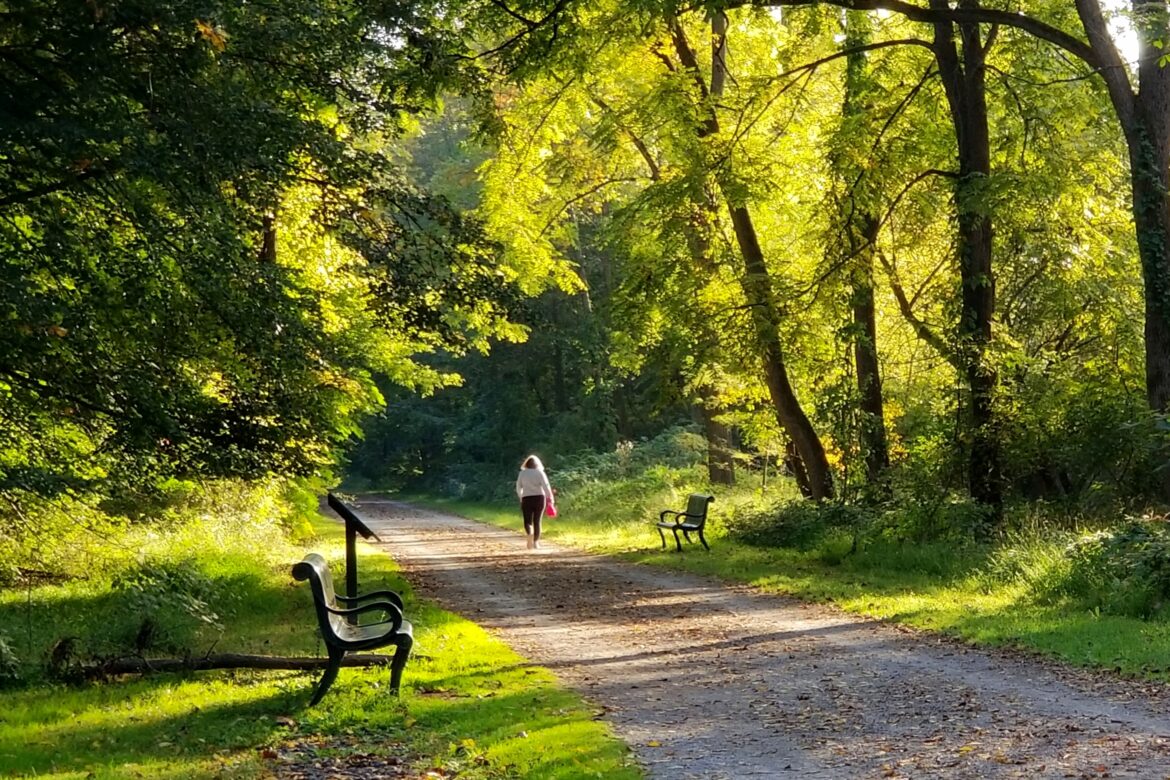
(639,144)
(921,329)
(917,13)
(581,196)
(47,189)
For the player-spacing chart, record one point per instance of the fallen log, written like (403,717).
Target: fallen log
(115,666)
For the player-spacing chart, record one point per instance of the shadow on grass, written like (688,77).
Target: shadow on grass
(110,725)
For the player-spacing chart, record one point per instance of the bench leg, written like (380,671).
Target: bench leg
(663,537)
(401,653)
(330,675)
(706,546)
(677,541)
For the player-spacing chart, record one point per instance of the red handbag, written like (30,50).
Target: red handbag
(550,509)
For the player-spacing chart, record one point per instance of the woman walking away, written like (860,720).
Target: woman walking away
(533,489)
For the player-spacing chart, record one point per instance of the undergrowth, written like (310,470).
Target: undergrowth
(215,578)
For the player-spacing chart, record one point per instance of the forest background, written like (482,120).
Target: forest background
(881,275)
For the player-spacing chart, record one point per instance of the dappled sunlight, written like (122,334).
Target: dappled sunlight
(942,589)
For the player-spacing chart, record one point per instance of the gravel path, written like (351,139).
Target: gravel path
(705,680)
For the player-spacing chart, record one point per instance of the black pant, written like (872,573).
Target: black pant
(532,507)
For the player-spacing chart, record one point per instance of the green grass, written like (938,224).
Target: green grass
(469,705)
(936,588)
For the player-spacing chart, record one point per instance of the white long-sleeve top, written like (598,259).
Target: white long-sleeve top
(533,482)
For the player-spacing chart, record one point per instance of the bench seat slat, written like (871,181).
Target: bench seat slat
(360,635)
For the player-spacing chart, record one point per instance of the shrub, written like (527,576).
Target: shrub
(169,601)
(1120,571)
(633,475)
(1125,571)
(947,518)
(802,525)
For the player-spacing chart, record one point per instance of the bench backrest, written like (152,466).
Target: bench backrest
(697,506)
(315,569)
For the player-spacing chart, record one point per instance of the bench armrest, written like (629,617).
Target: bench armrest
(388,607)
(385,595)
(679,517)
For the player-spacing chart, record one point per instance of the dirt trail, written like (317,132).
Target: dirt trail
(705,680)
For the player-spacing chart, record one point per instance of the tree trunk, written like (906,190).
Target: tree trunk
(268,241)
(795,466)
(756,280)
(964,82)
(1151,211)
(865,356)
(757,286)
(1148,140)
(860,225)
(720,465)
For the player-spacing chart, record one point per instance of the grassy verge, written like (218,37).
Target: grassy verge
(935,587)
(470,706)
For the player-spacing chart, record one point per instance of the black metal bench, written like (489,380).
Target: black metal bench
(340,636)
(693,519)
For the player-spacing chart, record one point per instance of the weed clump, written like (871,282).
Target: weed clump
(9,663)
(1122,571)
(170,601)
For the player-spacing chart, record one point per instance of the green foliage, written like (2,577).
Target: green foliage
(495,715)
(801,525)
(9,663)
(82,537)
(948,518)
(677,448)
(1080,438)
(168,601)
(209,252)
(1122,571)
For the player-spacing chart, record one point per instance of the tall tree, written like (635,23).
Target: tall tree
(758,287)
(963,75)
(183,186)
(859,225)
(1141,104)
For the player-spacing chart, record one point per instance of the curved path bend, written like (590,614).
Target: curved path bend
(707,680)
